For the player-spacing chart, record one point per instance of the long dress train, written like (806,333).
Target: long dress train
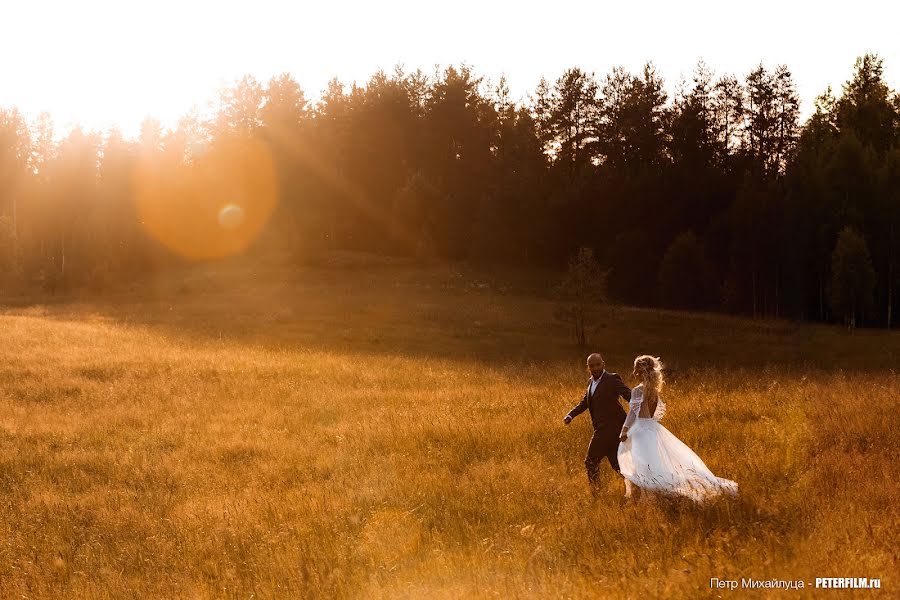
(653,459)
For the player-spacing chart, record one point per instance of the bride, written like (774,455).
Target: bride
(653,459)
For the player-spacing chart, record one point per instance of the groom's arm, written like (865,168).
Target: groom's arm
(579,408)
(622,390)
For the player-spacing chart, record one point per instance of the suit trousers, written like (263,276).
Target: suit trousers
(604,443)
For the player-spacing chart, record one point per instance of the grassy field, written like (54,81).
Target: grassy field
(386,431)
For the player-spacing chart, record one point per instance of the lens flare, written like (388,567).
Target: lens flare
(213,207)
(231,216)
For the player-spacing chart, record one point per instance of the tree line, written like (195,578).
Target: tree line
(717,198)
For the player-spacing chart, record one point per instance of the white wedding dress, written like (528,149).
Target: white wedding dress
(655,460)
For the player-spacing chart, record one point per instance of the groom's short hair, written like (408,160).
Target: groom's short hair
(594,355)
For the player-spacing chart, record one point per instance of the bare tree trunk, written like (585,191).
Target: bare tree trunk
(821,296)
(754,292)
(576,146)
(15,228)
(727,118)
(777,300)
(890,292)
(890,282)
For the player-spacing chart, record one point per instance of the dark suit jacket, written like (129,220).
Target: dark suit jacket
(607,415)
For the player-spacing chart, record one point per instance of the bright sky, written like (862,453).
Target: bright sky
(104,62)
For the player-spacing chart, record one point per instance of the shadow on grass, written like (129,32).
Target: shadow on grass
(447,312)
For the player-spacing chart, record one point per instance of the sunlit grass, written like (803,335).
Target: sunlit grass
(399,434)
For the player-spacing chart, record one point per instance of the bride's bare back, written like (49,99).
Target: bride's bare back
(648,406)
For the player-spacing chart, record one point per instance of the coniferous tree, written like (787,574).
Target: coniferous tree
(852,277)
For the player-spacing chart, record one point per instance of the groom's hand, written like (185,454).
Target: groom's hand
(567,419)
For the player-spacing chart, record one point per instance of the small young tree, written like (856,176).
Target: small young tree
(852,277)
(582,289)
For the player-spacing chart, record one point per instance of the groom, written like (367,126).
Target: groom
(607,415)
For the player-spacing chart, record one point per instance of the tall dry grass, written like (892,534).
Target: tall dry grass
(398,433)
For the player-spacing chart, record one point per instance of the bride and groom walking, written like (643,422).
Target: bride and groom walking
(637,446)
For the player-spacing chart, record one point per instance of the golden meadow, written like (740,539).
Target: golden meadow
(388,431)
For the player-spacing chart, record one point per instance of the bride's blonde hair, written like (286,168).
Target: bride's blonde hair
(650,370)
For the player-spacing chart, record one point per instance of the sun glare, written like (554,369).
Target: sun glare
(104,64)
(216,206)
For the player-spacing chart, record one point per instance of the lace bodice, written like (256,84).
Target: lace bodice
(637,409)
